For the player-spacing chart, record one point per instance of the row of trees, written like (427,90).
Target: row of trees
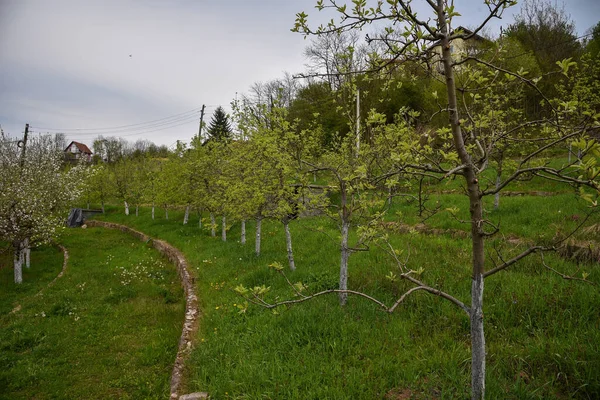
(413,123)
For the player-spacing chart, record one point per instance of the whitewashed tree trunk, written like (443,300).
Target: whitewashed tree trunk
(200,219)
(137,211)
(477,339)
(213,225)
(224,228)
(152,210)
(497,195)
(18,263)
(258,233)
(27,253)
(476,212)
(126,208)
(288,242)
(186,215)
(345,254)
(166,213)
(243,234)
(102,206)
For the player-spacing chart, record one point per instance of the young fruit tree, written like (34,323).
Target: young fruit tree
(35,194)
(465,145)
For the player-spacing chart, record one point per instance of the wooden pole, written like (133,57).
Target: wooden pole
(24,145)
(200,127)
(357,121)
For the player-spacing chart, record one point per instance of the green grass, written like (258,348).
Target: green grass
(543,333)
(109,328)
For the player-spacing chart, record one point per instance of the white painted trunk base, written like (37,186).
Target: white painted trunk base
(213,225)
(477,340)
(126,208)
(26,250)
(224,228)
(258,233)
(288,242)
(18,264)
(497,195)
(345,254)
(186,216)
(243,234)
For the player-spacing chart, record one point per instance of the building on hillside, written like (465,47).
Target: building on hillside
(76,151)
(460,48)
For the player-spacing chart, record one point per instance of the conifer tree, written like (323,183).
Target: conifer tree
(219,128)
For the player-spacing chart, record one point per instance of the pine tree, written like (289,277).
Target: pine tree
(219,128)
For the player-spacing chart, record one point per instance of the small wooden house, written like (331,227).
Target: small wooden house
(78,151)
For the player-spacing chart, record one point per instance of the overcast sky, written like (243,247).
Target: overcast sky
(95,65)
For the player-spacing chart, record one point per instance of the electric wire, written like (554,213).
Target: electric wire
(130,126)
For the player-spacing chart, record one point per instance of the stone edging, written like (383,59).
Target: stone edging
(192,313)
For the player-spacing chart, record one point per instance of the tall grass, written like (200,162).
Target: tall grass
(542,331)
(109,328)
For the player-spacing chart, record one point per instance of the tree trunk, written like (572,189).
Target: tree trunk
(345,254)
(224,229)
(166,213)
(200,219)
(243,234)
(186,215)
(26,250)
(477,339)
(497,195)
(18,262)
(213,225)
(88,205)
(258,229)
(126,208)
(102,206)
(152,210)
(476,211)
(137,211)
(498,182)
(288,242)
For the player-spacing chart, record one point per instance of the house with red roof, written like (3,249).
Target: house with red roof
(78,151)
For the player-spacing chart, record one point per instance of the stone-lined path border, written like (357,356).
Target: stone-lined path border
(192,313)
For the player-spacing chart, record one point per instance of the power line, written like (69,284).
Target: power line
(141,125)
(126,133)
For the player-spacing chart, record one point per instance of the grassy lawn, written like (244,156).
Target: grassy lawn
(109,328)
(543,333)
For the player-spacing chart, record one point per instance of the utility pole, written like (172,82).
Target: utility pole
(357,121)
(23,148)
(200,127)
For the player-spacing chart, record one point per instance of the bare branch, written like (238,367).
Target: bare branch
(564,276)
(512,261)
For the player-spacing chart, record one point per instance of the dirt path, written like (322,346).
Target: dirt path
(192,313)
